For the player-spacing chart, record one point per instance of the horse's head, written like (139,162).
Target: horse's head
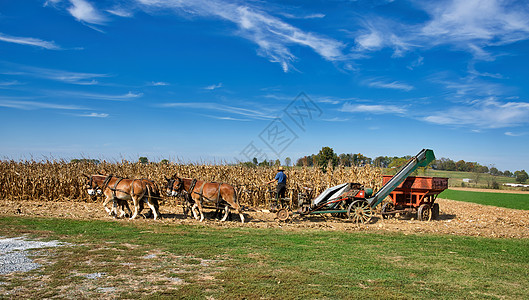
(91,185)
(174,186)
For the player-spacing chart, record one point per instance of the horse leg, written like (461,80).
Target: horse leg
(198,206)
(236,206)
(241,215)
(201,213)
(217,212)
(126,205)
(185,208)
(193,208)
(122,205)
(152,206)
(135,200)
(226,213)
(108,210)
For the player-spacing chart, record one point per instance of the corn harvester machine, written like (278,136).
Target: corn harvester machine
(357,203)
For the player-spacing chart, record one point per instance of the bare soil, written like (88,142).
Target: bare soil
(456,218)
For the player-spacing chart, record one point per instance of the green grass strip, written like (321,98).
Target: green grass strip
(507,200)
(306,264)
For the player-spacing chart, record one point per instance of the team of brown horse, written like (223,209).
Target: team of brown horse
(195,192)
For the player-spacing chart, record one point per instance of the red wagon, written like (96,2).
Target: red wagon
(415,195)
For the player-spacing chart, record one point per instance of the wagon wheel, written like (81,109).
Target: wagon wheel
(341,206)
(435,211)
(386,208)
(282,214)
(424,213)
(359,211)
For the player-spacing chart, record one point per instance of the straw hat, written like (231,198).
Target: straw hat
(281,168)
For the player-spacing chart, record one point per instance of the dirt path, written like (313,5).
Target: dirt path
(457,218)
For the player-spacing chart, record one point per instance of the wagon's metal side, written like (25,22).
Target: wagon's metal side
(422,159)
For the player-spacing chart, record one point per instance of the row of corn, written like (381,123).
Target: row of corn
(60,180)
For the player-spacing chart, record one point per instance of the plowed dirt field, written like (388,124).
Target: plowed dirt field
(456,218)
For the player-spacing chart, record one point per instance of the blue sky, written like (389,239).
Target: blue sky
(219,80)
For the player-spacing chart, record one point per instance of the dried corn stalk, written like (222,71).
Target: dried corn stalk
(60,180)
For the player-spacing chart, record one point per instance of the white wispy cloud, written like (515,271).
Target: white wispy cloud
(32,105)
(95,96)
(213,86)
(378,33)
(315,98)
(78,78)
(84,11)
(250,113)
(481,21)
(394,85)
(336,119)
(159,83)
(468,86)
(94,115)
(508,133)
(9,83)
(472,25)
(488,113)
(120,12)
(226,118)
(273,36)
(309,16)
(29,41)
(373,108)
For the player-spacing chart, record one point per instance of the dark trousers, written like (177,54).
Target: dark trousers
(281,190)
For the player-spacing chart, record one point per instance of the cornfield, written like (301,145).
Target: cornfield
(61,180)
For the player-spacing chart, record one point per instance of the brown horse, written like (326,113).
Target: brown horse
(123,189)
(198,190)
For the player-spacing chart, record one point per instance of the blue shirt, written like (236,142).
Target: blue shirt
(281,177)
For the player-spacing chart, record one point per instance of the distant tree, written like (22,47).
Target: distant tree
(480,169)
(461,166)
(288,161)
(143,160)
(521,176)
(397,162)
(277,162)
(264,163)
(382,161)
(494,172)
(254,161)
(360,160)
(305,161)
(164,161)
(476,176)
(450,165)
(248,164)
(345,160)
(507,173)
(325,155)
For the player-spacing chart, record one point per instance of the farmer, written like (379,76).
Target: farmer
(281,179)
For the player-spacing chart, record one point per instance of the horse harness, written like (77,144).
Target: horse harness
(201,192)
(192,187)
(115,189)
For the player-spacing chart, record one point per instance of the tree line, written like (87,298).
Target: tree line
(327,157)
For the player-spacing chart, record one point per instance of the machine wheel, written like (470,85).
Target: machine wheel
(359,211)
(424,213)
(435,211)
(387,207)
(282,214)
